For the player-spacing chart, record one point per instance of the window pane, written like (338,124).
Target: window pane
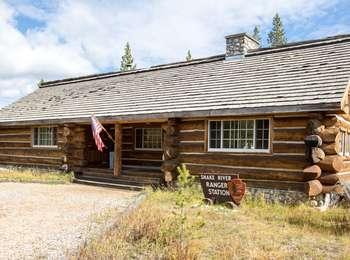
(262,134)
(45,136)
(138,137)
(215,134)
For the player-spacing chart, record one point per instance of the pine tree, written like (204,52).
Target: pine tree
(189,56)
(276,36)
(256,34)
(127,62)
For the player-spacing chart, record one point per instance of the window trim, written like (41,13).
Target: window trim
(148,149)
(238,150)
(43,146)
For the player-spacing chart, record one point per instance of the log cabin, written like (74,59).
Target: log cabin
(278,117)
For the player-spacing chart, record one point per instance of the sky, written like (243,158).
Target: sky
(52,39)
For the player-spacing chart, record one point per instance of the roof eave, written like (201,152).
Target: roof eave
(329,107)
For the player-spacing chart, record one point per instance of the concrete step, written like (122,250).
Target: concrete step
(141,181)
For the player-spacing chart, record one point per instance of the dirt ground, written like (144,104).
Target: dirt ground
(49,221)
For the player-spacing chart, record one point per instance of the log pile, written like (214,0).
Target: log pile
(170,150)
(322,151)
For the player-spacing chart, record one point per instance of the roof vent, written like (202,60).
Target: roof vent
(237,45)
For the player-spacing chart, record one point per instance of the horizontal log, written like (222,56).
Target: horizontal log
(142,162)
(332,188)
(331,148)
(275,185)
(290,122)
(263,160)
(313,188)
(330,135)
(289,134)
(288,148)
(190,125)
(332,164)
(15,144)
(258,174)
(312,172)
(192,136)
(330,179)
(192,147)
(4,131)
(32,152)
(31,160)
(331,121)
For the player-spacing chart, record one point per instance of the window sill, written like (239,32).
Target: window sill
(52,147)
(149,149)
(267,151)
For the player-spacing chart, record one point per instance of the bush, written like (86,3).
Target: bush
(184,179)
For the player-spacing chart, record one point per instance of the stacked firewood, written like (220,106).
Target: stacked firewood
(323,147)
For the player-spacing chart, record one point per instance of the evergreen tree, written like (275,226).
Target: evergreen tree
(127,62)
(189,56)
(276,36)
(256,34)
(40,82)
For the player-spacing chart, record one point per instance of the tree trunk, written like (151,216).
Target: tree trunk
(332,164)
(313,188)
(312,172)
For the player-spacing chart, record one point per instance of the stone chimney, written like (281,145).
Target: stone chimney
(237,45)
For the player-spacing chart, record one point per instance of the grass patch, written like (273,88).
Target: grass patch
(176,225)
(34,176)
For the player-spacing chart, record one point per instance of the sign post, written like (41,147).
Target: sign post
(222,188)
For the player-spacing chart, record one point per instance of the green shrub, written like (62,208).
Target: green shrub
(184,179)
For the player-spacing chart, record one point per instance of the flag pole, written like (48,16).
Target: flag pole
(110,137)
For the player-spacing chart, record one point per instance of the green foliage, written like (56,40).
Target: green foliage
(40,82)
(184,179)
(189,56)
(127,62)
(256,34)
(276,36)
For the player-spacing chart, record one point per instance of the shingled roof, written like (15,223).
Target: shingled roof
(305,76)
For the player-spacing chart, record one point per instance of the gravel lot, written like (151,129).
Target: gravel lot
(49,221)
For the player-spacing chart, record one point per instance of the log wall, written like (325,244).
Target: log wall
(281,168)
(131,157)
(16,149)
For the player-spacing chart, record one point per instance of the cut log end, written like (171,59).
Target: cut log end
(317,154)
(332,164)
(312,172)
(313,188)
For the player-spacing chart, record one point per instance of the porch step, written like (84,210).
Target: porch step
(124,182)
(107,185)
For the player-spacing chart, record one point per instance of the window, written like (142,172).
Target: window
(45,136)
(344,143)
(239,135)
(148,138)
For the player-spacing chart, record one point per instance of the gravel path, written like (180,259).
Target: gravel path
(49,221)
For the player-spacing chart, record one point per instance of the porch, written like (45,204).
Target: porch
(133,161)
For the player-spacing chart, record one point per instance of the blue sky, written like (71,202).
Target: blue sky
(53,39)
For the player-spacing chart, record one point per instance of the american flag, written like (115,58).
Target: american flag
(97,128)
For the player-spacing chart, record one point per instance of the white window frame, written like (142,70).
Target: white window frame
(148,149)
(39,145)
(238,150)
(344,143)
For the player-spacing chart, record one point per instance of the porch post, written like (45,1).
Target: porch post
(118,150)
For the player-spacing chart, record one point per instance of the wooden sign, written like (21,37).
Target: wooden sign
(222,188)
